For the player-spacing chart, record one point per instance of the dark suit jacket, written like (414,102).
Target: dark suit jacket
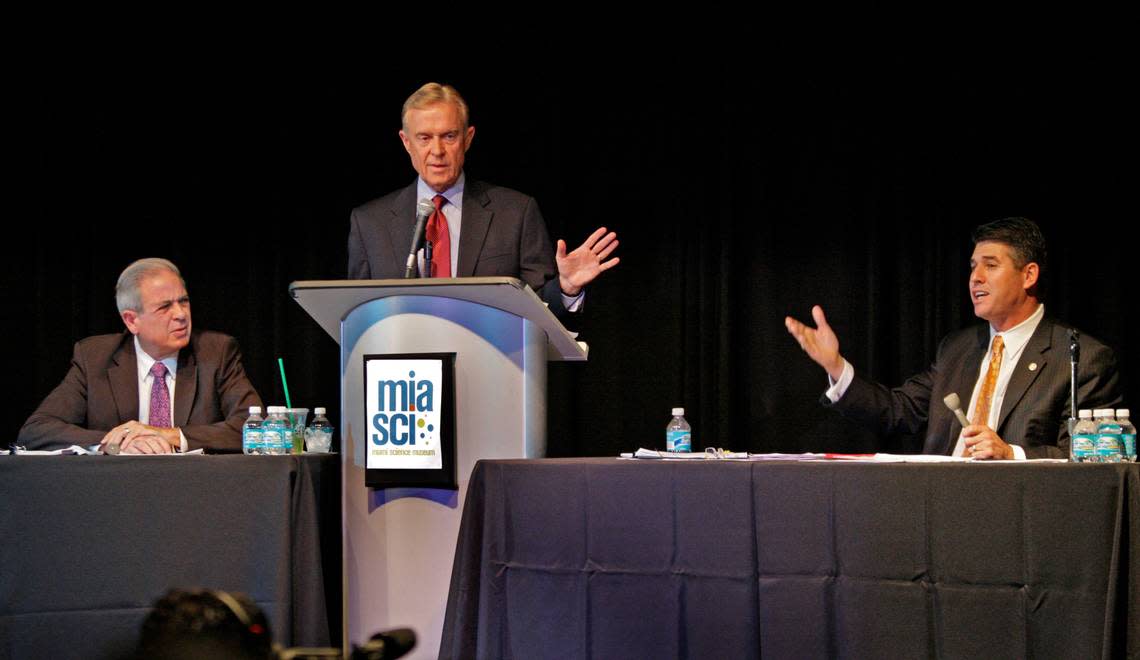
(502,234)
(1036,403)
(211,394)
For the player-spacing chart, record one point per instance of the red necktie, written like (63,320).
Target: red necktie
(440,240)
(159,397)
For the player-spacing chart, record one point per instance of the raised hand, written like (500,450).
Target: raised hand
(580,267)
(820,342)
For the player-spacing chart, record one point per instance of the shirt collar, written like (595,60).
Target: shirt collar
(453,195)
(1018,336)
(145,361)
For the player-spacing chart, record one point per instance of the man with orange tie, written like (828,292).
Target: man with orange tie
(1015,370)
(157,388)
(476,229)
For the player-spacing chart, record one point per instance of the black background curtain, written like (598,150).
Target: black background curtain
(738,200)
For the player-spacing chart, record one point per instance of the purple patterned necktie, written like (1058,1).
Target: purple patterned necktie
(159,397)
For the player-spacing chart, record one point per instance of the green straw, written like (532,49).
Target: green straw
(285,384)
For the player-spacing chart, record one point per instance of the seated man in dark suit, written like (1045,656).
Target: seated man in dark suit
(190,387)
(477,229)
(1015,371)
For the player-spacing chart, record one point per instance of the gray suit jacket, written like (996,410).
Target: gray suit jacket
(503,235)
(1036,403)
(211,395)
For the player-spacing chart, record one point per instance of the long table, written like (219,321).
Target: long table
(88,543)
(609,558)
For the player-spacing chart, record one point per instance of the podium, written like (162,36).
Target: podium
(399,543)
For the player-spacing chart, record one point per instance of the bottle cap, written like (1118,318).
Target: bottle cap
(1102,412)
(1121,412)
(1084,414)
(255,410)
(678,412)
(318,411)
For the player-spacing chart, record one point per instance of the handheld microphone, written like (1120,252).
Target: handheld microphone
(423,210)
(955,405)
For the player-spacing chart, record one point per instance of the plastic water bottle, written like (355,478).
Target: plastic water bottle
(251,438)
(1127,435)
(1082,448)
(285,435)
(1108,437)
(276,433)
(269,431)
(678,434)
(318,437)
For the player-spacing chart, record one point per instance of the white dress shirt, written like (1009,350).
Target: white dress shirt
(146,379)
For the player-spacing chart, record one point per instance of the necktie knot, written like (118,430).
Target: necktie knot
(999,345)
(158,370)
(439,201)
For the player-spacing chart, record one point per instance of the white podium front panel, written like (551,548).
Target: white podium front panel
(399,543)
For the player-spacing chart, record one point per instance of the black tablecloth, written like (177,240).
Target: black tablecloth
(604,558)
(90,542)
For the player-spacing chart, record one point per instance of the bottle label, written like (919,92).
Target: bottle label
(679,440)
(1108,447)
(274,439)
(1129,442)
(1084,447)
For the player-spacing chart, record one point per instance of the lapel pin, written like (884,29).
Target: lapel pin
(1033,366)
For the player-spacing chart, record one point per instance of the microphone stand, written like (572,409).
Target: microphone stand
(1074,361)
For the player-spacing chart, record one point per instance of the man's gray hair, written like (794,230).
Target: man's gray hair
(127,294)
(430,94)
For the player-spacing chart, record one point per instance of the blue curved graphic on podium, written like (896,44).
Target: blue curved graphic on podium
(502,330)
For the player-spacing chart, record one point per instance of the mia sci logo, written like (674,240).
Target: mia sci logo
(403,414)
(397,422)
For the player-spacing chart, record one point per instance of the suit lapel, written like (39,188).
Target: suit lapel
(1035,353)
(969,368)
(186,385)
(123,378)
(473,229)
(402,224)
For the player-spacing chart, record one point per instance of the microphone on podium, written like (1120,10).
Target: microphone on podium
(423,210)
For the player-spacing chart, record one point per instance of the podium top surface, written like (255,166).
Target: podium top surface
(330,301)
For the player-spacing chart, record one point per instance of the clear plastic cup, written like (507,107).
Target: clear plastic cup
(296,418)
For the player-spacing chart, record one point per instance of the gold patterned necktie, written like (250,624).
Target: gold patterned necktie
(986,395)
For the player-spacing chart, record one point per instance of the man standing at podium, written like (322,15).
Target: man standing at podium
(156,388)
(476,229)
